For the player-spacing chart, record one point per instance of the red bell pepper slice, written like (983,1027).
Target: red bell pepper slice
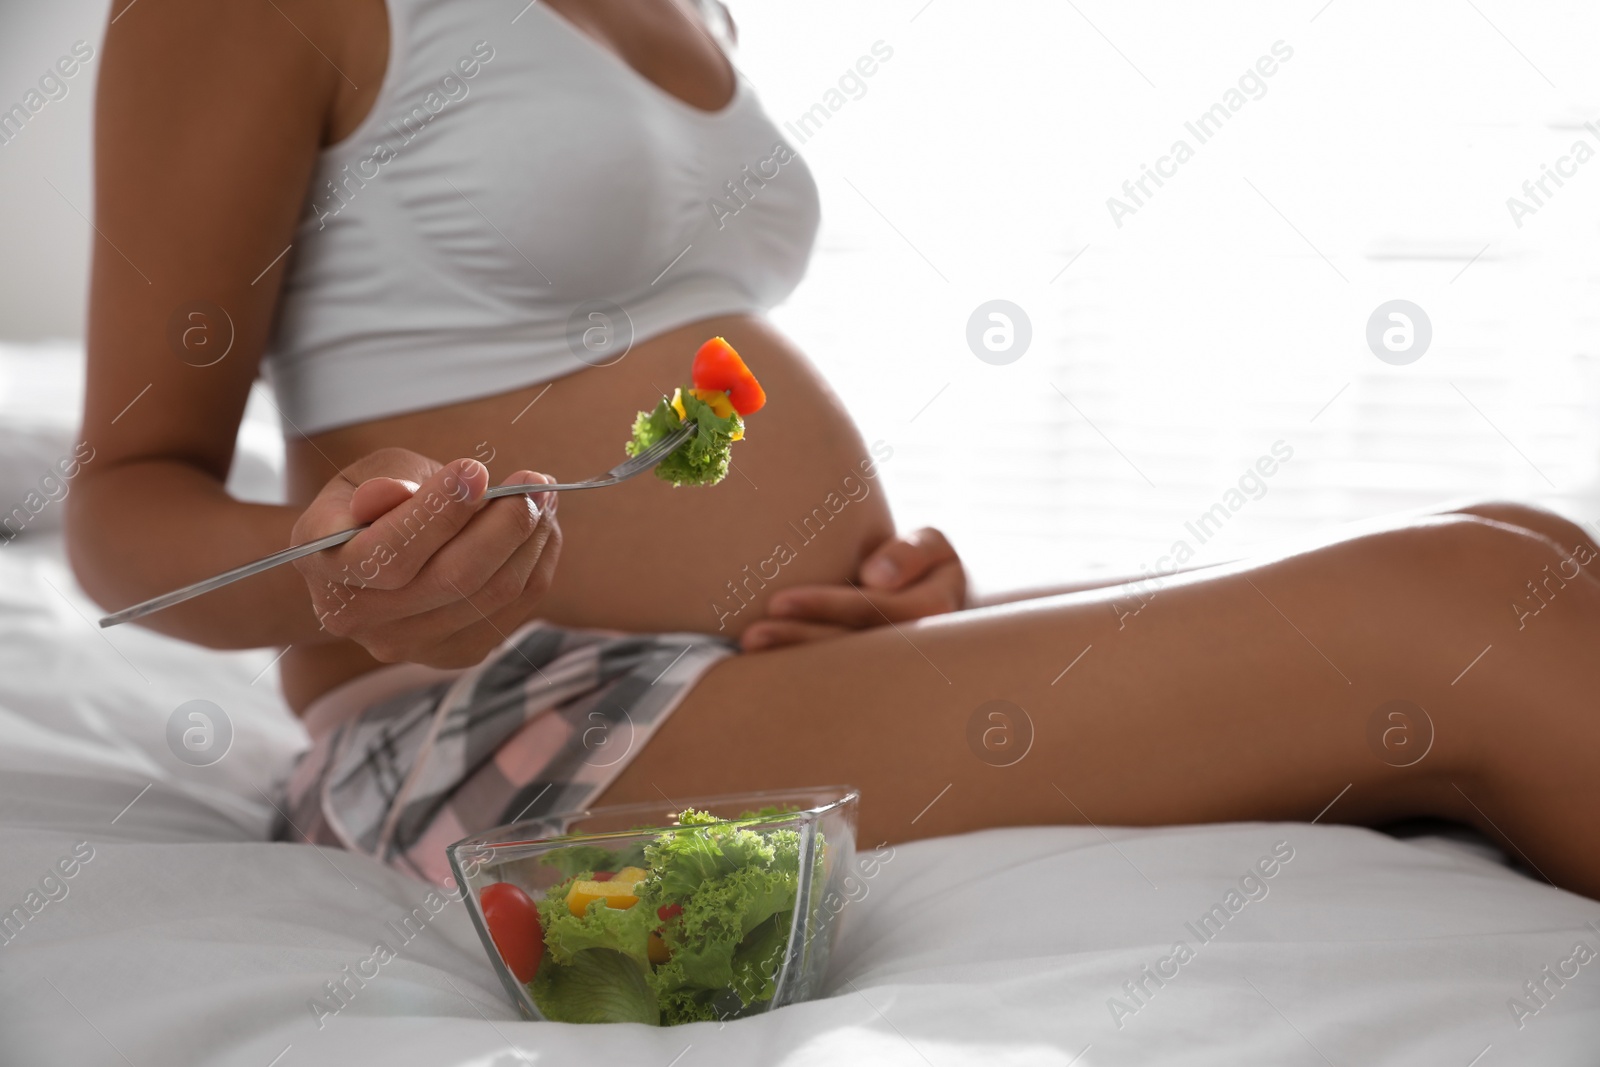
(718,366)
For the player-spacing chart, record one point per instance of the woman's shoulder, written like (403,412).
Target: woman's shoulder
(307,53)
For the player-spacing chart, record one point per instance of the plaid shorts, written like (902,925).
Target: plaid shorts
(540,727)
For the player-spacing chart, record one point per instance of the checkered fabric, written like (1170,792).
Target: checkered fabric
(542,726)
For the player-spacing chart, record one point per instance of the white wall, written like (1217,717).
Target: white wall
(44,242)
(1230,311)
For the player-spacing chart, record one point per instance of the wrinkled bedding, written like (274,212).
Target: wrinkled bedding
(181,936)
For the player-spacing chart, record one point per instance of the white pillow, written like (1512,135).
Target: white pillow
(41,400)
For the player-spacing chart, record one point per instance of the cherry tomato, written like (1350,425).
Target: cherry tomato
(602,876)
(718,366)
(669,911)
(513,922)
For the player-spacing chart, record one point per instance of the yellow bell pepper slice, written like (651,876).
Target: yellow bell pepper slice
(716,399)
(616,895)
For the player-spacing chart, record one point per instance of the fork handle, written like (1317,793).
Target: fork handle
(528,488)
(294,552)
(265,563)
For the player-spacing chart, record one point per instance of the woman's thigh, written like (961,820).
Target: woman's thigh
(1571,537)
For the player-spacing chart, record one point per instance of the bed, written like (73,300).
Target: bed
(145,919)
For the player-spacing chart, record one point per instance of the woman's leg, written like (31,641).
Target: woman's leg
(1246,692)
(1563,532)
(1569,536)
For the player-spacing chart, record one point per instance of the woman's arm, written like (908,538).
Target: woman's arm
(209,120)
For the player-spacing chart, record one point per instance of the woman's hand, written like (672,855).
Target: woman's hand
(441,578)
(907,577)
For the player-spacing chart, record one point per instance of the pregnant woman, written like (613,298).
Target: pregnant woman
(466,243)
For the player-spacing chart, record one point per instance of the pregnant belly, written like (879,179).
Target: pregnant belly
(804,502)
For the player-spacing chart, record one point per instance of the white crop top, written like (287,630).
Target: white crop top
(521,203)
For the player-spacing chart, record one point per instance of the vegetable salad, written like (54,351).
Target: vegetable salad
(723,393)
(691,926)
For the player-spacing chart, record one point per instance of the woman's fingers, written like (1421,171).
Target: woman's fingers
(468,642)
(404,538)
(476,559)
(375,496)
(907,577)
(838,605)
(902,560)
(463,631)
(937,591)
(777,633)
(477,589)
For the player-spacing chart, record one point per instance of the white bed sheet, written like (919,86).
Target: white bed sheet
(187,939)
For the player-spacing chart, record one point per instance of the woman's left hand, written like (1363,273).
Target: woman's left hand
(907,577)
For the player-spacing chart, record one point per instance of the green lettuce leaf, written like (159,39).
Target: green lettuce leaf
(719,915)
(681,861)
(624,930)
(684,1002)
(701,460)
(596,985)
(574,860)
(553,905)
(770,811)
(584,860)
(760,956)
(737,890)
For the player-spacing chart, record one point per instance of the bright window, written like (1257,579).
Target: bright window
(1229,310)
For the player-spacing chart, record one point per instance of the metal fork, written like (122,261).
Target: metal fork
(620,473)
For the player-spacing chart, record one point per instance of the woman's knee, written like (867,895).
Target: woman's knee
(1566,534)
(1474,553)
(1507,576)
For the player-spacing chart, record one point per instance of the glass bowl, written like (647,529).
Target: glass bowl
(706,909)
